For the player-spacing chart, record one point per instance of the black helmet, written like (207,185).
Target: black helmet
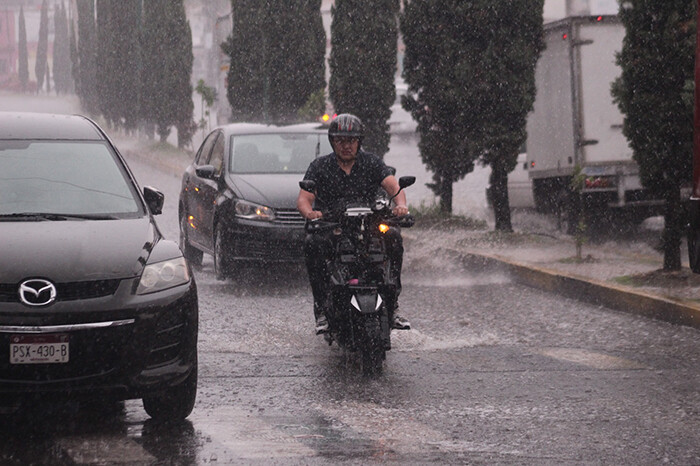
(347,125)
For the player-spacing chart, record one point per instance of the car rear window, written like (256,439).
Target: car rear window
(276,153)
(64,177)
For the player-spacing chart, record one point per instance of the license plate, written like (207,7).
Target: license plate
(39,349)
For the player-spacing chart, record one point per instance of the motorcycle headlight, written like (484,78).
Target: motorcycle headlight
(163,275)
(251,211)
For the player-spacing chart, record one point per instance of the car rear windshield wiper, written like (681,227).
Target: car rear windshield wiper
(40,216)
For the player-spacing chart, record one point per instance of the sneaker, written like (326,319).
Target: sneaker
(321,325)
(400,323)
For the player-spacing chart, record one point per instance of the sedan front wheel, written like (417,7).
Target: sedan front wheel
(223,265)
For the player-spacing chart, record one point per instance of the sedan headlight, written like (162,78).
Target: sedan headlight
(163,275)
(250,211)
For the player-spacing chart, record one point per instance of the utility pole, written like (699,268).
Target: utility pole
(694,203)
(696,117)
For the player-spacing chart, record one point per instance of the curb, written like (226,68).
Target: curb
(591,291)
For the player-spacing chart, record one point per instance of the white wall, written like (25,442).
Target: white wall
(557,9)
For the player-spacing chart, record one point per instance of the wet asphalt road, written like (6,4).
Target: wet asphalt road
(492,373)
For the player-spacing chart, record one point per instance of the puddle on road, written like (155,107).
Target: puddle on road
(415,340)
(428,264)
(453,279)
(590,358)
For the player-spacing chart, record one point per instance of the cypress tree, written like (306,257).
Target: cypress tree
(108,59)
(42,47)
(247,84)
(182,76)
(61,52)
(277,59)
(23,58)
(363,65)
(119,60)
(75,61)
(655,94)
(470,68)
(295,57)
(167,47)
(502,82)
(433,35)
(87,55)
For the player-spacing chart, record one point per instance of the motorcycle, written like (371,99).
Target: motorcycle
(361,280)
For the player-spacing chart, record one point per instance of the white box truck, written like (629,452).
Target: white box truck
(575,122)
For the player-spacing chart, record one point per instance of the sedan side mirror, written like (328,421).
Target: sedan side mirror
(154,199)
(206,171)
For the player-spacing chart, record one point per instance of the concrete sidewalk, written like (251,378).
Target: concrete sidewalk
(619,275)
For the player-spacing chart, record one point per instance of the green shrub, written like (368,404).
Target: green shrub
(430,216)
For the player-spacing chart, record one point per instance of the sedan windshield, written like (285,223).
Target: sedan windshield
(63,179)
(276,153)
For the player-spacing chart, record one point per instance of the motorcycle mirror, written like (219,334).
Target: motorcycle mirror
(406,181)
(308,185)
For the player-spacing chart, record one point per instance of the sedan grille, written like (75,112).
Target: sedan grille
(66,291)
(289,217)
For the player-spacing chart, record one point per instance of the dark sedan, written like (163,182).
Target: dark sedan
(238,197)
(94,302)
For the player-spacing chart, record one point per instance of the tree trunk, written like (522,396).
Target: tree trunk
(445,196)
(163,131)
(673,230)
(499,193)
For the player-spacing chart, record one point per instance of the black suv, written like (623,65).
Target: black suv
(94,302)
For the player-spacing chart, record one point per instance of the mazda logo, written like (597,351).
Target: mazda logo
(37,292)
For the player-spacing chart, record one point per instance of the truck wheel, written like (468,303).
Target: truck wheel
(175,403)
(192,254)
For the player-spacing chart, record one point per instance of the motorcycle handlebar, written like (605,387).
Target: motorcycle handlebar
(318,225)
(404,221)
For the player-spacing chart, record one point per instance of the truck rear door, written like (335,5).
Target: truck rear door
(600,120)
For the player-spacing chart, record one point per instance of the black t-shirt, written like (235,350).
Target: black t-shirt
(334,187)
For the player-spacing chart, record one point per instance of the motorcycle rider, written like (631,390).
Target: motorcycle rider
(347,174)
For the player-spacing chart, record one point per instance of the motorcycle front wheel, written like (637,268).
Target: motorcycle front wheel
(372,347)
